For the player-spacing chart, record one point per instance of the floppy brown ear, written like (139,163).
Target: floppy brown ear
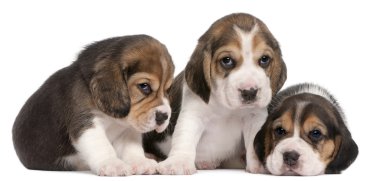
(109,90)
(283,75)
(259,145)
(346,153)
(279,77)
(197,72)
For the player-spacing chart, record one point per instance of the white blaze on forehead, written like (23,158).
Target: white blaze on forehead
(297,118)
(249,74)
(246,40)
(296,131)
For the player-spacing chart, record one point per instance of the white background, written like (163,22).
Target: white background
(332,43)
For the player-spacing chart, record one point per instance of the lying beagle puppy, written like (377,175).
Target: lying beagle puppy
(221,96)
(90,115)
(305,134)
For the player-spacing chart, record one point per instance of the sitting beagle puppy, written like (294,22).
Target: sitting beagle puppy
(220,97)
(305,134)
(91,114)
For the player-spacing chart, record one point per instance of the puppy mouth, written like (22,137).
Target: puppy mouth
(143,127)
(147,128)
(160,129)
(295,170)
(251,101)
(240,104)
(290,173)
(247,103)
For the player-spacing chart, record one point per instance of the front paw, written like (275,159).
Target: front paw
(143,166)
(177,165)
(206,165)
(113,167)
(255,168)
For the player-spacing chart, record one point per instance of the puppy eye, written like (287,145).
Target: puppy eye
(280,132)
(227,62)
(145,88)
(315,135)
(264,61)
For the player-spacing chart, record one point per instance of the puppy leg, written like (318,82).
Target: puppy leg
(96,150)
(129,146)
(181,160)
(252,125)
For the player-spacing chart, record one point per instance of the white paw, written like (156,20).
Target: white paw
(255,167)
(253,163)
(113,167)
(177,166)
(206,165)
(143,166)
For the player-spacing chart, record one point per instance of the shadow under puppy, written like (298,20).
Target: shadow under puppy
(305,134)
(220,100)
(90,115)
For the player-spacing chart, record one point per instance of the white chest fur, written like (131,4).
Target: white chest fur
(221,139)
(211,134)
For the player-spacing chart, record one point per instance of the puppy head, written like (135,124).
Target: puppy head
(237,61)
(129,80)
(305,135)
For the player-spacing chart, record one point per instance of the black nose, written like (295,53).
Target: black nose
(290,158)
(248,95)
(161,117)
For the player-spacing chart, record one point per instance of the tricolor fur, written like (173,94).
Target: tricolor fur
(91,114)
(305,134)
(220,100)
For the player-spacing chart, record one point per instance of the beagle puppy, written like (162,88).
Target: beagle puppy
(220,99)
(91,114)
(305,134)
